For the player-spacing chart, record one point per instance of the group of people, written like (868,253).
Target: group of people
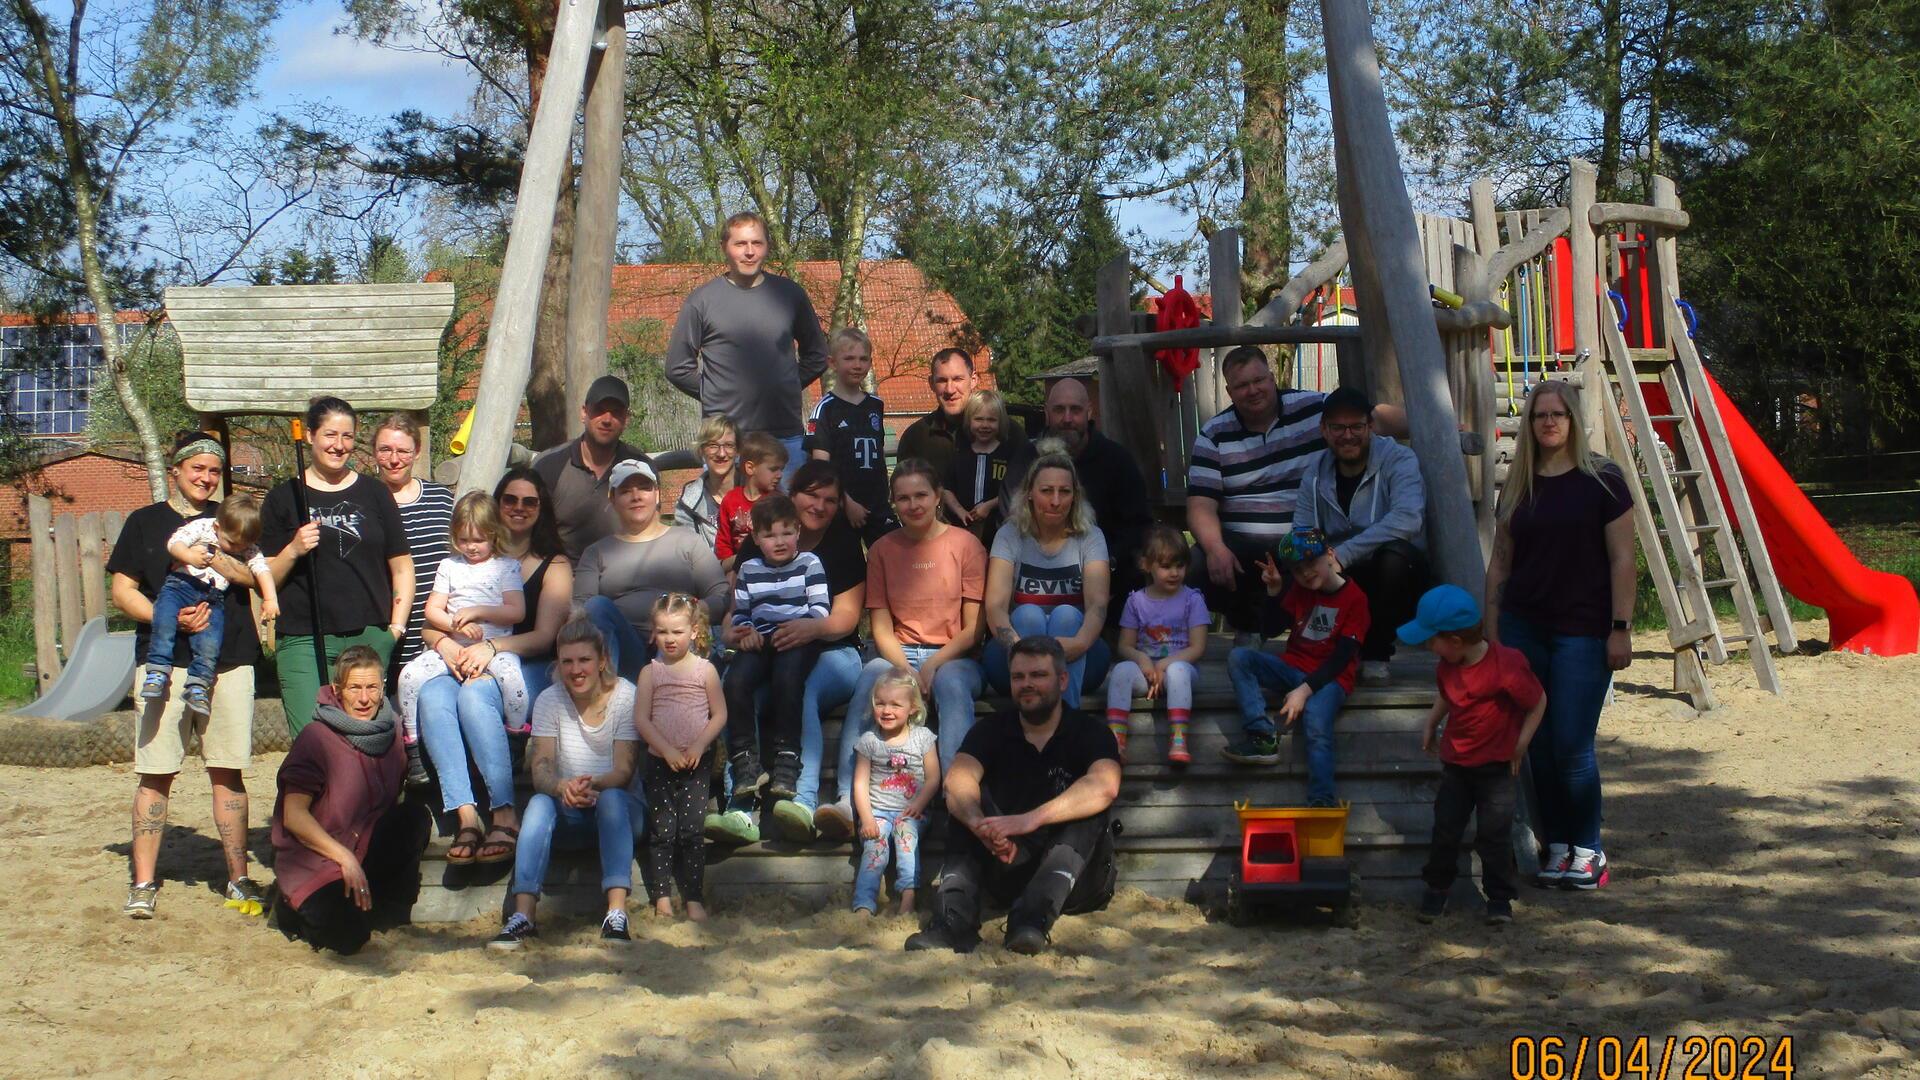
(670,679)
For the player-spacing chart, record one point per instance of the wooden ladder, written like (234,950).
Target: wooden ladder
(1687,513)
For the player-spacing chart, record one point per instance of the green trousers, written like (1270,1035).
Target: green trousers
(300,682)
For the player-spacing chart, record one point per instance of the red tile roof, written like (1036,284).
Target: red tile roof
(908,318)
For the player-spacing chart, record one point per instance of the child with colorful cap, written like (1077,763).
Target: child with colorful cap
(1492,705)
(1327,616)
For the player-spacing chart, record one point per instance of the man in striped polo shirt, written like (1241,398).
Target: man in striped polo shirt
(1243,477)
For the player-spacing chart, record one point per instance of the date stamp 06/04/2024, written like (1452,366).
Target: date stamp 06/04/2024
(1642,1057)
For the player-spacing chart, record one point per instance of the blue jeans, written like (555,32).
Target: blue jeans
(627,651)
(1252,669)
(457,719)
(796,457)
(905,836)
(829,687)
(184,591)
(537,673)
(1060,621)
(613,823)
(955,687)
(1566,775)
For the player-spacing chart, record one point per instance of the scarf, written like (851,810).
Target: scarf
(370,737)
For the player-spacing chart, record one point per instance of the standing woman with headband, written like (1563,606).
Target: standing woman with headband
(139,566)
(356,546)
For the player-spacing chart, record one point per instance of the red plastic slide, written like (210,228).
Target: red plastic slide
(1868,611)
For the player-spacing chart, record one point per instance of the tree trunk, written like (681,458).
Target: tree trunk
(1265,208)
(849,306)
(1612,101)
(86,212)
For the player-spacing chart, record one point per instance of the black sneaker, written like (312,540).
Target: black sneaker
(1433,904)
(1499,912)
(1323,803)
(513,933)
(747,776)
(614,927)
(784,778)
(1253,749)
(1026,940)
(416,769)
(937,937)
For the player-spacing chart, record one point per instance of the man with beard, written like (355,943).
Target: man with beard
(936,436)
(576,472)
(1028,797)
(1114,488)
(1366,494)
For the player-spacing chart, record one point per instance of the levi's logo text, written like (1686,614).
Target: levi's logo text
(1049,584)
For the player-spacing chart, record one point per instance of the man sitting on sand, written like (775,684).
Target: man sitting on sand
(1029,794)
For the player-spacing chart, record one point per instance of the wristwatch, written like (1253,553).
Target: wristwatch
(1621,624)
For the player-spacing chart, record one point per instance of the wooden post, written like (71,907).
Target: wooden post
(1589,293)
(423,463)
(1486,227)
(1389,250)
(1376,344)
(597,211)
(66,559)
(1223,277)
(1128,403)
(516,306)
(93,567)
(46,591)
(1479,392)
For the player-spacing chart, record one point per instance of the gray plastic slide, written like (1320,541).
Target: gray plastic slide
(97,678)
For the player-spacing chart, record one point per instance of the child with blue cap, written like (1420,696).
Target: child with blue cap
(1492,704)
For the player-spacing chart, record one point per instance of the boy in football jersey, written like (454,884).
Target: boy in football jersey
(848,427)
(1325,617)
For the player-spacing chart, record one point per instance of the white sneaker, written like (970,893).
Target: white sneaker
(1587,870)
(1375,672)
(834,820)
(1554,870)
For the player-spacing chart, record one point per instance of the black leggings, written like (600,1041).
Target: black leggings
(329,919)
(676,850)
(783,674)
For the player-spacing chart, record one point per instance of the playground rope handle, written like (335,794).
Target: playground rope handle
(1693,321)
(1619,305)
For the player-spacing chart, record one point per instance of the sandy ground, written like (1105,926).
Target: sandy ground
(1767,882)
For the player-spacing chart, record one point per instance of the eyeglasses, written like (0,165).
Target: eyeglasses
(1347,429)
(1558,416)
(722,446)
(395,451)
(515,502)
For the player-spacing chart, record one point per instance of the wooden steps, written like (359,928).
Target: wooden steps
(1179,835)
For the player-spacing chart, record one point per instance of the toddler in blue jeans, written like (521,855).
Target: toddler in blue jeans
(1326,615)
(896,774)
(234,530)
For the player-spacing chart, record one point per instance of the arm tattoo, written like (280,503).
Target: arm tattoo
(542,768)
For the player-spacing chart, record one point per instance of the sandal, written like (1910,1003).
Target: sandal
(504,848)
(472,846)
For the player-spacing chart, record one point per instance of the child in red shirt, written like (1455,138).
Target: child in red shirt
(1492,705)
(1327,615)
(762,459)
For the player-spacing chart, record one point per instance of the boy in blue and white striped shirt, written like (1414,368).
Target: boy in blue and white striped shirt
(782,586)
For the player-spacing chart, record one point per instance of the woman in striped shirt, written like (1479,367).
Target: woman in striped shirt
(426,509)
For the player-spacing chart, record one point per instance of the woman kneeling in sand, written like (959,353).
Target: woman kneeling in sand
(347,854)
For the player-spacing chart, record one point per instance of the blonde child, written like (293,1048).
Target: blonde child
(1163,634)
(679,711)
(477,596)
(848,427)
(195,549)
(1492,705)
(896,773)
(762,459)
(976,482)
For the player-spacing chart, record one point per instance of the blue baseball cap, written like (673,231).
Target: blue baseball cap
(1443,609)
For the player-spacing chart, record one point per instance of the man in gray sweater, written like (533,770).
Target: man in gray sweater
(1364,491)
(747,341)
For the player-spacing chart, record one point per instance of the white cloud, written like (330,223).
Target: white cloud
(314,60)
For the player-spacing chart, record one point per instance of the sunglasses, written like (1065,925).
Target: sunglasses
(514,502)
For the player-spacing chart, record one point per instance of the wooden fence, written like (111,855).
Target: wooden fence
(69,578)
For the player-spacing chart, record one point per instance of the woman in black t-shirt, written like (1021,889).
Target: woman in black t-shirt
(1560,589)
(354,543)
(139,565)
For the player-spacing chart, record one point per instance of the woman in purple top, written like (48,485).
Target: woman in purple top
(1560,589)
(346,853)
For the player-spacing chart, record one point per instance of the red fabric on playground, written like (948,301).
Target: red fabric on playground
(1178,311)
